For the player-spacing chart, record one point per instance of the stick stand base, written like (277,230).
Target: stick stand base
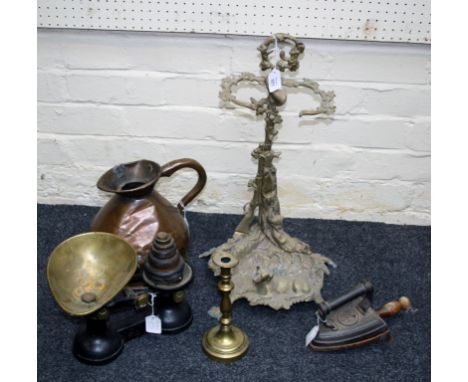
(269,275)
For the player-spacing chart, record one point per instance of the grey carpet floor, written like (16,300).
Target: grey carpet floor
(395,258)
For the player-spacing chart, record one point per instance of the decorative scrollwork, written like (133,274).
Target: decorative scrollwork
(228,83)
(262,106)
(285,61)
(326,97)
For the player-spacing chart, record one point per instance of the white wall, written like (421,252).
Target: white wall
(110,97)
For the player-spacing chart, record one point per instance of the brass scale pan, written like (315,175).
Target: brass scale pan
(87,271)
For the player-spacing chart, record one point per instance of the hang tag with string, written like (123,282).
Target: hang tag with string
(274,78)
(314,331)
(153,322)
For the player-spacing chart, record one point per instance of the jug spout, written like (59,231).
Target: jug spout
(131,179)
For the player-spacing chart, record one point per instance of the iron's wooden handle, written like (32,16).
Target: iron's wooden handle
(171,167)
(393,307)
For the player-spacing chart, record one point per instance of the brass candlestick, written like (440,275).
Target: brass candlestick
(225,342)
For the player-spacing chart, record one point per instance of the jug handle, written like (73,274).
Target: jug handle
(171,167)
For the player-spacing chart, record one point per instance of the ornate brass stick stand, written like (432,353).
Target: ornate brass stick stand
(225,342)
(275,269)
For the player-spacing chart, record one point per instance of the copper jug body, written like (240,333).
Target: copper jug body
(136,211)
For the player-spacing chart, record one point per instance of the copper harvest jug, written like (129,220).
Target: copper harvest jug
(137,211)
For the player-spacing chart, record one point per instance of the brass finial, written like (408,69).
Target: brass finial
(225,342)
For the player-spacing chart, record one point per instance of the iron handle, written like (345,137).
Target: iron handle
(363,288)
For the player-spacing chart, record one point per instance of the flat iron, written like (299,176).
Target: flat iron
(350,321)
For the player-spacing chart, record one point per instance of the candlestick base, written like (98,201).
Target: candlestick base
(225,346)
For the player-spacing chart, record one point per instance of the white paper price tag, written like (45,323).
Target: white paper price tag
(153,324)
(311,335)
(274,80)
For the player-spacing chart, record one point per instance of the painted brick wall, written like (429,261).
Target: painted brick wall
(110,97)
